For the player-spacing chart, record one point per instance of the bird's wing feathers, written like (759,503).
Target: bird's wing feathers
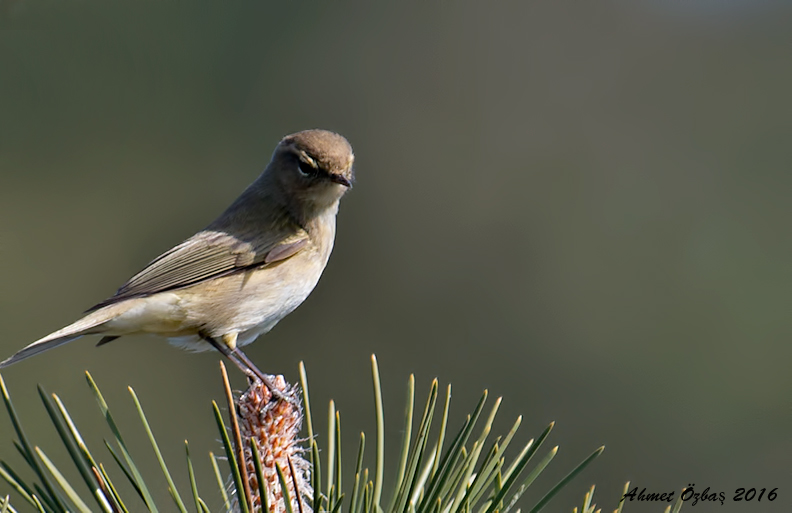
(207,254)
(202,256)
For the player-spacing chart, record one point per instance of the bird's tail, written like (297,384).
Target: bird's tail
(91,323)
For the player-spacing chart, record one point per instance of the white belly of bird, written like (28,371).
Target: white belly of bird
(264,313)
(255,307)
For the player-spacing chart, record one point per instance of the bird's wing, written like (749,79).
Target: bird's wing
(206,255)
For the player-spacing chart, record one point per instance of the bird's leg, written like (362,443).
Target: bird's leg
(230,350)
(226,351)
(260,375)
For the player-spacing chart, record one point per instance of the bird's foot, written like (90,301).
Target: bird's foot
(253,373)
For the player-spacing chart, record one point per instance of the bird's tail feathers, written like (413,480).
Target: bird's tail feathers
(87,325)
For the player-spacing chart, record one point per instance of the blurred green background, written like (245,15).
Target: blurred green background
(583,207)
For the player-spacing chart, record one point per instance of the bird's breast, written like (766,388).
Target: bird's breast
(252,302)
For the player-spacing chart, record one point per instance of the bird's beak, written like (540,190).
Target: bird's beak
(341,180)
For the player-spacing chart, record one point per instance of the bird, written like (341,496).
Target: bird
(243,273)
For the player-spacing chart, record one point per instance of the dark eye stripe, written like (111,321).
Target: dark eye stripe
(307,169)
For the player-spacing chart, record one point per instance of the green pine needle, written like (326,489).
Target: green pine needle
(380,472)
(49,487)
(64,484)
(285,491)
(229,450)
(130,469)
(561,484)
(262,482)
(220,484)
(469,475)
(171,486)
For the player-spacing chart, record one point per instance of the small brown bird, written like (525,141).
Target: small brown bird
(252,266)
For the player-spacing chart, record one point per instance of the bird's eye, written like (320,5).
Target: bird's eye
(306,169)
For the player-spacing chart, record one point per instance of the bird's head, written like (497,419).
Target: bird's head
(313,167)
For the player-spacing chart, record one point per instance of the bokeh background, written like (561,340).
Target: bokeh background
(582,207)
